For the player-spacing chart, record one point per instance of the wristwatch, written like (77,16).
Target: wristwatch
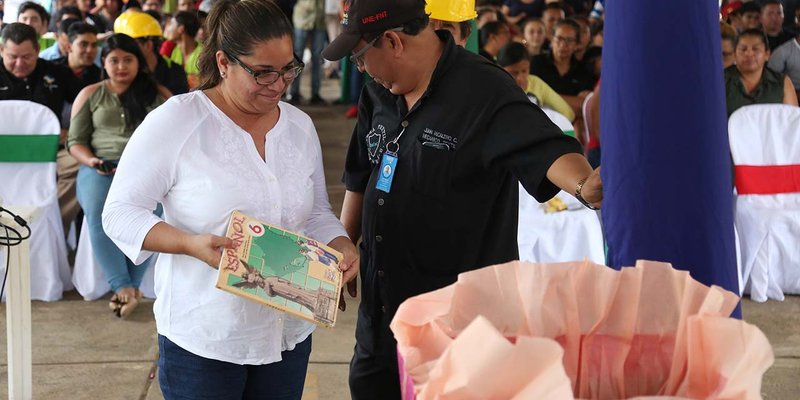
(580,197)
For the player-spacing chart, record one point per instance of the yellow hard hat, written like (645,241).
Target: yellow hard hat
(137,24)
(451,10)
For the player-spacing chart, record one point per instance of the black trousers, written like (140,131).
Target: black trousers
(373,369)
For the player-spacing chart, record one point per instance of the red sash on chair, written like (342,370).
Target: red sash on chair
(767,179)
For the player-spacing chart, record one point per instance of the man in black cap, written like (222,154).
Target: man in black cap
(443,137)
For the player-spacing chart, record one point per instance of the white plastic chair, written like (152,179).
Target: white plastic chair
(571,235)
(765,145)
(587,118)
(89,279)
(29,131)
(561,121)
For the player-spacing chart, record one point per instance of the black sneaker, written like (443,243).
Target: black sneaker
(316,100)
(294,99)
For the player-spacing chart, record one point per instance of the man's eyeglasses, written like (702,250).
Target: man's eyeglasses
(565,40)
(358,57)
(268,77)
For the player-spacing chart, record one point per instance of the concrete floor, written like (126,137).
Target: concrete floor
(80,351)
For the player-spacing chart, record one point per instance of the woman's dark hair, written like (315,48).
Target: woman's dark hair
(235,26)
(490,29)
(753,32)
(189,21)
(30,5)
(143,90)
(512,53)
(572,24)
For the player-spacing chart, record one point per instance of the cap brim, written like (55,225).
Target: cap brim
(341,46)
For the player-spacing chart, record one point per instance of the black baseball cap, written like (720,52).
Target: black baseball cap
(370,18)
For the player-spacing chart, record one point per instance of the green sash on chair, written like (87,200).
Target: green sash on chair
(28,148)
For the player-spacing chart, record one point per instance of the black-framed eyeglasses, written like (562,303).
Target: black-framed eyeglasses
(358,57)
(268,77)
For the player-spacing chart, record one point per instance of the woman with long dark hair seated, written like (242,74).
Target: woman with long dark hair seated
(104,116)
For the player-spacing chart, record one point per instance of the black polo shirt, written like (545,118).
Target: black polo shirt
(775,41)
(171,75)
(575,81)
(49,84)
(453,202)
(83,78)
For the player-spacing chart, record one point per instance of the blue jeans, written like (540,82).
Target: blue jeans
(184,375)
(92,190)
(318,38)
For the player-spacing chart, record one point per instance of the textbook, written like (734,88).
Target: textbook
(281,269)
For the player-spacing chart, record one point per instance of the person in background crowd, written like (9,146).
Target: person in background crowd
(772,23)
(92,19)
(553,12)
(104,116)
(33,14)
(182,30)
(155,5)
(728,37)
(593,61)
(597,13)
(563,72)
(786,60)
(200,172)
(80,59)
(445,14)
(60,48)
(486,15)
(586,37)
(109,10)
(750,14)
(749,81)
(534,36)
(23,76)
(333,25)
(309,24)
(515,60)
(576,7)
(515,11)
(147,32)
(186,5)
(493,36)
(731,15)
(63,13)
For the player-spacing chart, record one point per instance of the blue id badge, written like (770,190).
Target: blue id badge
(388,165)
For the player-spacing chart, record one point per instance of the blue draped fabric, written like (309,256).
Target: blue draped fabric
(665,162)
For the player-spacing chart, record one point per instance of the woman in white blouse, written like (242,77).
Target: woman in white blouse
(231,145)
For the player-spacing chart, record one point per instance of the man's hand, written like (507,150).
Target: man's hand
(592,190)
(349,266)
(207,248)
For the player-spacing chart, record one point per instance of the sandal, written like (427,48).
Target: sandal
(128,307)
(115,304)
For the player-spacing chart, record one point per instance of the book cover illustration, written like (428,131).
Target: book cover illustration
(281,269)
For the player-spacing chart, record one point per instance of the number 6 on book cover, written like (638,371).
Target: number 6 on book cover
(281,269)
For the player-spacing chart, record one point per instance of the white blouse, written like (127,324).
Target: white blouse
(201,166)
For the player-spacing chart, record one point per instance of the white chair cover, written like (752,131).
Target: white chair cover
(571,235)
(587,118)
(561,121)
(34,183)
(89,279)
(768,225)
